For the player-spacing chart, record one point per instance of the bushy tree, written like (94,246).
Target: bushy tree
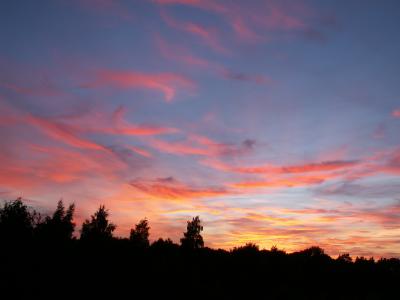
(98,228)
(345,258)
(313,251)
(140,234)
(249,248)
(16,221)
(59,227)
(192,238)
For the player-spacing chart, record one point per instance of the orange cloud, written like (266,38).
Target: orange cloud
(39,166)
(178,148)
(167,83)
(169,188)
(293,181)
(273,169)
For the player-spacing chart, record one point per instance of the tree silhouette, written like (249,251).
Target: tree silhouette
(249,249)
(192,238)
(98,228)
(59,227)
(345,258)
(308,274)
(140,235)
(16,221)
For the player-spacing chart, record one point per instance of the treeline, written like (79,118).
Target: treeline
(41,258)
(19,224)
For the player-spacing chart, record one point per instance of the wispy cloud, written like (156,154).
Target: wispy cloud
(208,35)
(185,56)
(166,83)
(202,146)
(256,22)
(172,189)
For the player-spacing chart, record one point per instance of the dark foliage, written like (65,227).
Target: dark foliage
(98,229)
(140,235)
(192,238)
(16,222)
(59,227)
(33,267)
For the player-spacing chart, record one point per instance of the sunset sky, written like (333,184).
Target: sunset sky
(277,122)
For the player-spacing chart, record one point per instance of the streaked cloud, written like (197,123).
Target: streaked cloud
(166,83)
(172,189)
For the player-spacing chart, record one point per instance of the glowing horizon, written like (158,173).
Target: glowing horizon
(277,122)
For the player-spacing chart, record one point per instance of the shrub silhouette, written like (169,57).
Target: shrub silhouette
(16,221)
(98,228)
(248,249)
(139,236)
(192,238)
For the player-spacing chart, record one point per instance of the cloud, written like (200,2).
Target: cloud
(183,55)
(171,189)
(258,79)
(35,166)
(282,182)
(396,113)
(291,169)
(200,145)
(361,190)
(166,83)
(208,35)
(62,133)
(256,22)
(121,126)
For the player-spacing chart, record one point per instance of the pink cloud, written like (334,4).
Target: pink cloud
(396,113)
(200,145)
(181,54)
(253,22)
(62,133)
(166,83)
(208,35)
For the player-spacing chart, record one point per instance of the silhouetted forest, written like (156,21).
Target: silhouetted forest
(41,258)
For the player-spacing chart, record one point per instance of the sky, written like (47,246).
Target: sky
(277,122)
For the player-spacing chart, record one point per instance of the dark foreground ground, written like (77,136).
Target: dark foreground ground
(117,270)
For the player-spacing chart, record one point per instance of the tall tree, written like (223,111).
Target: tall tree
(192,238)
(99,227)
(59,227)
(140,235)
